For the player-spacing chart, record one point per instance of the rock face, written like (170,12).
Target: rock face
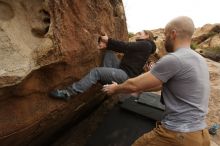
(206,41)
(47,44)
(160,41)
(214,100)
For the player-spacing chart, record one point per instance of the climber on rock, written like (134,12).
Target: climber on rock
(135,55)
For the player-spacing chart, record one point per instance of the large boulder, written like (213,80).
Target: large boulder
(47,44)
(206,41)
(159,33)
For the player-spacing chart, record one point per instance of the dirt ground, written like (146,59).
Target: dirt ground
(214,100)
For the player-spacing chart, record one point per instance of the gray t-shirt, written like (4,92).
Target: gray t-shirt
(186,88)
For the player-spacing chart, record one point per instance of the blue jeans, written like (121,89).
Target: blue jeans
(104,75)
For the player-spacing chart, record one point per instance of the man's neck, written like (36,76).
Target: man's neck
(182,44)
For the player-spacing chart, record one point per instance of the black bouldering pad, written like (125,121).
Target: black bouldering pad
(151,99)
(147,105)
(120,128)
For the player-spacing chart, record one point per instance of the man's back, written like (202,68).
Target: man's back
(185,90)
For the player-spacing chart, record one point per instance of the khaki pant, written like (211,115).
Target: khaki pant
(161,136)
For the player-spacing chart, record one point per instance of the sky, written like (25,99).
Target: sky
(153,14)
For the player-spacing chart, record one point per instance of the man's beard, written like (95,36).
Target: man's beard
(168,45)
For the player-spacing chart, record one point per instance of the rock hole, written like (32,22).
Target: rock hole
(46,20)
(6,11)
(114,3)
(41,28)
(44,14)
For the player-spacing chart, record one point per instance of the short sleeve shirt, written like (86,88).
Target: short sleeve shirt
(185,78)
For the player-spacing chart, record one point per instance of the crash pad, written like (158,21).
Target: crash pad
(120,128)
(147,105)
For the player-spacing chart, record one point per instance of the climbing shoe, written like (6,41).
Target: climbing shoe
(60,94)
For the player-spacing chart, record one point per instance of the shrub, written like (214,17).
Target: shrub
(215,49)
(194,46)
(130,34)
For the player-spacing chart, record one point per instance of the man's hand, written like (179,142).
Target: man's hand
(143,82)
(136,94)
(102,42)
(148,66)
(104,38)
(102,45)
(110,88)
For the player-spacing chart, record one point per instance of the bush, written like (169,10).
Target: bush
(194,46)
(215,49)
(130,34)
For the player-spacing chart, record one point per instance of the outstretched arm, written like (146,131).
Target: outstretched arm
(120,46)
(141,83)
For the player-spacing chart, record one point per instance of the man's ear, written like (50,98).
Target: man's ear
(173,34)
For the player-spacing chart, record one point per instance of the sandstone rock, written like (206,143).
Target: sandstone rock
(213,143)
(203,33)
(161,51)
(206,39)
(45,45)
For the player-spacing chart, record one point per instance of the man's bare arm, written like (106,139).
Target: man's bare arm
(141,83)
(158,88)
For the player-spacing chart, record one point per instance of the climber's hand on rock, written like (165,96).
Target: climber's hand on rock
(102,42)
(104,38)
(102,45)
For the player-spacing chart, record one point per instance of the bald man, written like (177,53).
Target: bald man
(184,77)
